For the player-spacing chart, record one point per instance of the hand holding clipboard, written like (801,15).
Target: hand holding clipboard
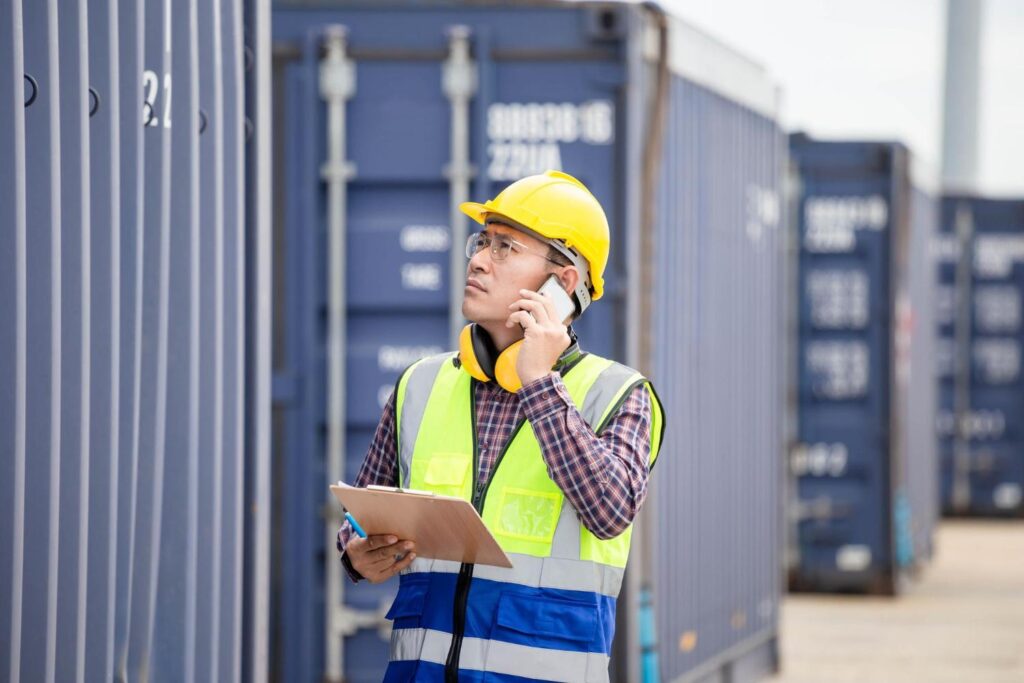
(442,527)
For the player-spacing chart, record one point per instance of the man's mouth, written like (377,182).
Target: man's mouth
(472,283)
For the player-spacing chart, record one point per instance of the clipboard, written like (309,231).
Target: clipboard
(443,527)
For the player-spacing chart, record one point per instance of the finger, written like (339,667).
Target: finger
(531,294)
(538,309)
(388,553)
(379,541)
(544,300)
(399,566)
(522,318)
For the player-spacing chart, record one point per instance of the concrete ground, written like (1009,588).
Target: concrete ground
(962,621)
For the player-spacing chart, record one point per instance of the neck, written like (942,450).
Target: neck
(502,336)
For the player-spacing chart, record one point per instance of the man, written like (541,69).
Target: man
(552,445)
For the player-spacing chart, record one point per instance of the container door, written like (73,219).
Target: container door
(842,459)
(537,99)
(983,461)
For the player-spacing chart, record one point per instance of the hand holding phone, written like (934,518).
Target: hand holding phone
(542,315)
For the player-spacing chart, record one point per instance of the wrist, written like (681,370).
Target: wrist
(534,376)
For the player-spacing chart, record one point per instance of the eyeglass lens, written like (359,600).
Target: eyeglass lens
(499,244)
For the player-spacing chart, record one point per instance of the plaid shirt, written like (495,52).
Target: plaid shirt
(604,477)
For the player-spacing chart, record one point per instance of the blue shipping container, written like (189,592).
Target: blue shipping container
(387,118)
(981,416)
(134,364)
(863,465)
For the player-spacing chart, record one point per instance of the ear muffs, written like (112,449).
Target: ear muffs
(477,353)
(505,369)
(482,360)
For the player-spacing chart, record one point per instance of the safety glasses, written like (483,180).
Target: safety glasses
(501,245)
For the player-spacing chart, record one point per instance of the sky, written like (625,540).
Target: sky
(873,69)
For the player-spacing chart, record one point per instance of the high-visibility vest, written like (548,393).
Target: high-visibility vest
(550,617)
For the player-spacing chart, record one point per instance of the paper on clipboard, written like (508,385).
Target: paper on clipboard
(443,527)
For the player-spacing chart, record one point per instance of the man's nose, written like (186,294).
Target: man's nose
(480,261)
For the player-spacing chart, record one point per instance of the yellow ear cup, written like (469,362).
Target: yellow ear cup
(505,373)
(467,355)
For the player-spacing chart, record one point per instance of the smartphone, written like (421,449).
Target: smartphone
(563,302)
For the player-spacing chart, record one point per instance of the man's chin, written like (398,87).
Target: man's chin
(471,315)
(475,316)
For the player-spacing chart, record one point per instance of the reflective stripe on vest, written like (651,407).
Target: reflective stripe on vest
(504,658)
(556,561)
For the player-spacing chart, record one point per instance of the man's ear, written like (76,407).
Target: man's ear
(569,277)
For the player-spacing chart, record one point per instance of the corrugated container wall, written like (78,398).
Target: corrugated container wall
(385,119)
(863,465)
(717,345)
(123,355)
(981,416)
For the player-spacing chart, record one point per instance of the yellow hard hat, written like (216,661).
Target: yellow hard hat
(556,206)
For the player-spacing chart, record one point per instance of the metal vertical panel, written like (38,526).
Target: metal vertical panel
(921,399)
(210,281)
(258,280)
(175,515)
(105,197)
(235,316)
(43,347)
(151,326)
(76,338)
(717,348)
(991,423)
(13,81)
(120,302)
(131,39)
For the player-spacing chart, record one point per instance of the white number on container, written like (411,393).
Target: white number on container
(511,161)
(151,86)
(819,460)
(838,298)
(997,308)
(997,360)
(424,238)
(398,358)
(421,276)
(977,424)
(839,369)
(995,255)
(831,223)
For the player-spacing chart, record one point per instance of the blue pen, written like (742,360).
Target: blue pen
(355,525)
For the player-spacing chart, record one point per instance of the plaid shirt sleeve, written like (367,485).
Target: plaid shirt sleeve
(378,468)
(603,476)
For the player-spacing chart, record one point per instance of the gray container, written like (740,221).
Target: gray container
(125,375)
(717,315)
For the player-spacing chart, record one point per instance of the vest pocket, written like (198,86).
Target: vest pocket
(407,608)
(548,622)
(527,515)
(446,474)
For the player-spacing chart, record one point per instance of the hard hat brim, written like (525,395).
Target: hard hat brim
(475,210)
